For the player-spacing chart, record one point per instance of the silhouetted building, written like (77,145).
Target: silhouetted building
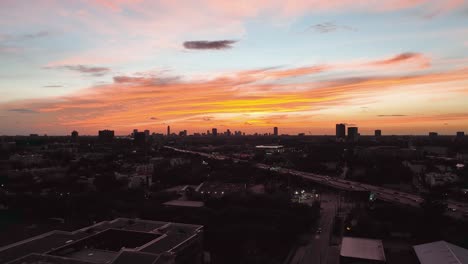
(134,132)
(140,138)
(74,135)
(106,135)
(340,130)
(353,134)
(433,134)
(147,133)
(183,133)
(275,131)
(460,134)
(228,132)
(168,130)
(214,132)
(378,133)
(121,240)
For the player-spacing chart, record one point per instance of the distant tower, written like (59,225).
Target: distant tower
(353,134)
(214,131)
(378,133)
(275,131)
(168,130)
(460,134)
(340,130)
(433,134)
(74,135)
(134,132)
(147,133)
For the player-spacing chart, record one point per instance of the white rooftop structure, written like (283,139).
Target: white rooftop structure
(441,252)
(362,248)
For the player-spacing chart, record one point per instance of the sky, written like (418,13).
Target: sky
(301,65)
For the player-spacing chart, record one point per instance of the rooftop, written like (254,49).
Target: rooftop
(105,242)
(362,248)
(441,252)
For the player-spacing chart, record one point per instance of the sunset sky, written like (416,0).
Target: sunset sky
(303,65)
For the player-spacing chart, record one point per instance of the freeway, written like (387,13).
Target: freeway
(455,209)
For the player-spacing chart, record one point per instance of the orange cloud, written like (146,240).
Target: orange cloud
(245,99)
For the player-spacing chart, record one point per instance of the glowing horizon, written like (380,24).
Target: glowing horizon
(303,66)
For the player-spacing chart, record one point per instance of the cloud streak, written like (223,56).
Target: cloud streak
(90,70)
(209,45)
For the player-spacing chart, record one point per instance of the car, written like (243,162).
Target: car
(319,230)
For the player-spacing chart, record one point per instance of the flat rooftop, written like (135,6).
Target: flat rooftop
(441,252)
(104,242)
(362,248)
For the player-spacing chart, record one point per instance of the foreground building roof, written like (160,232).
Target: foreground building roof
(441,252)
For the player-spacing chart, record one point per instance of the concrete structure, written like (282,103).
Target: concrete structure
(168,130)
(214,131)
(460,134)
(275,131)
(433,134)
(378,133)
(361,250)
(340,131)
(441,252)
(116,242)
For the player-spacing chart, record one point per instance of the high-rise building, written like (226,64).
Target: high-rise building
(147,133)
(353,134)
(433,134)
(168,130)
(214,131)
(106,135)
(228,132)
(340,130)
(275,131)
(134,132)
(378,133)
(460,134)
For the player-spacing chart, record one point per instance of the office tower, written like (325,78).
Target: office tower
(353,134)
(134,132)
(460,134)
(168,130)
(378,133)
(433,134)
(275,131)
(340,130)
(147,133)
(214,131)
(106,135)
(228,132)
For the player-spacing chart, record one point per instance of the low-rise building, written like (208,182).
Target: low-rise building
(115,242)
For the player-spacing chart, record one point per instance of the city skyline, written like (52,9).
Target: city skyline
(302,66)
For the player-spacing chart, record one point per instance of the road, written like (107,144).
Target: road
(456,209)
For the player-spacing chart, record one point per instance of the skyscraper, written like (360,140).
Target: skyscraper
(340,130)
(168,130)
(378,133)
(275,131)
(214,131)
(353,134)
(460,134)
